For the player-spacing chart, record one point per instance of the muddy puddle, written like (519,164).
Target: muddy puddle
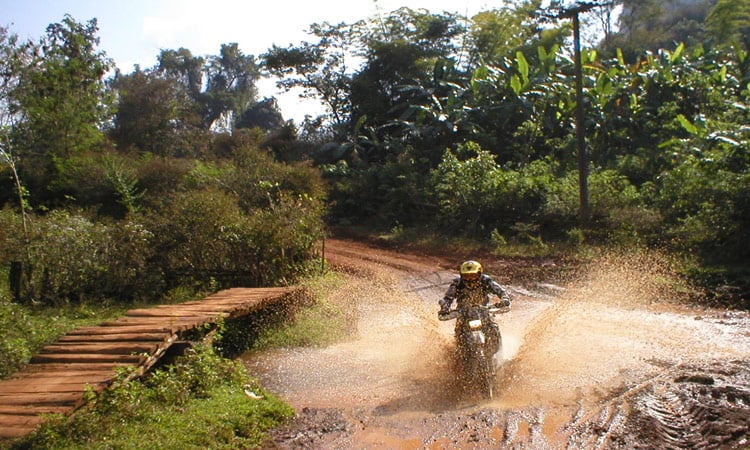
(604,362)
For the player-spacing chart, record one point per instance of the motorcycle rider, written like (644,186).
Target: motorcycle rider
(473,287)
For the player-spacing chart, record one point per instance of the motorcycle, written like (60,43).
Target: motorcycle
(479,340)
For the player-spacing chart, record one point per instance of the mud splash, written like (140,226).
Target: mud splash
(585,367)
(610,325)
(391,361)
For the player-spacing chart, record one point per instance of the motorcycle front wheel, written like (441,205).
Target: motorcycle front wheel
(486,374)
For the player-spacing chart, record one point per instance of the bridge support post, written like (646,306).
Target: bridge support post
(15,280)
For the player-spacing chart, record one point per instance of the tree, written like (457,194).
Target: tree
(230,89)
(655,24)
(62,105)
(500,33)
(186,71)
(13,56)
(152,115)
(183,67)
(434,34)
(221,86)
(320,70)
(729,22)
(62,93)
(264,114)
(406,48)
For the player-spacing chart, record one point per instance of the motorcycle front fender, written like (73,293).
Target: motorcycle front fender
(473,339)
(478,337)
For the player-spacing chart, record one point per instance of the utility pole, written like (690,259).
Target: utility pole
(583,163)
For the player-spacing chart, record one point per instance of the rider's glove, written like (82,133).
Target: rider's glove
(445,306)
(445,309)
(503,303)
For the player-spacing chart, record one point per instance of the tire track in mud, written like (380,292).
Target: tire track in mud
(601,364)
(685,407)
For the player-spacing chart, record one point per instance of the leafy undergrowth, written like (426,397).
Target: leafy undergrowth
(325,321)
(202,401)
(726,286)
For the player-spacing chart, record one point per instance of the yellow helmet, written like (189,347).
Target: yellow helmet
(470,270)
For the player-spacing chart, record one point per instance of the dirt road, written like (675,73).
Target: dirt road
(604,361)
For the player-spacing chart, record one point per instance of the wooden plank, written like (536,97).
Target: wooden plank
(193,311)
(53,368)
(115,337)
(84,358)
(26,410)
(56,389)
(16,431)
(169,326)
(161,316)
(249,299)
(43,399)
(31,377)
(21,420)
(67,384)
(157,320)
(174,309)
(123,329)
(109,348)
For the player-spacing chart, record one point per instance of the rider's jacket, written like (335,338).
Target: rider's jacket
(471,293)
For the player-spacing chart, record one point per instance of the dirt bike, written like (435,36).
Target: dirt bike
(478,339)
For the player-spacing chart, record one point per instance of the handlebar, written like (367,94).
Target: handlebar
(453,313)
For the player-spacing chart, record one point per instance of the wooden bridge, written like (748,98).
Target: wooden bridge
(56,379)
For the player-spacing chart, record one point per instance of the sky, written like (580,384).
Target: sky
(135,31)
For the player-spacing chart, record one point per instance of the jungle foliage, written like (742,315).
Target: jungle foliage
(131,185)
(468,126)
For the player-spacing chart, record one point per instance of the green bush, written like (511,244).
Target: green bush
(158,176)
(706,207)
(318,316)
(70,257)
(15,347)
(204,235)
(478,197)
(618,211)
(321,324)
